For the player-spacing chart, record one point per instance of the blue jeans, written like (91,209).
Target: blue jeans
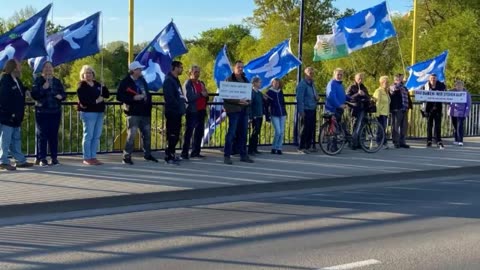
(135,122)
(92,130)
(278,123)
(237,125)
(457,123)
(11,141)
(46,126)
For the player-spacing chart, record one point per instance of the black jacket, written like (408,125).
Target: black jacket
(12,101)
(125,93)
(174,99)
(192,95)
(46,100)
(231,105)
(361,102)
(430,107)
(87,96)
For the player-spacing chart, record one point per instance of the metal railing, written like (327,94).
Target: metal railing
(114,135)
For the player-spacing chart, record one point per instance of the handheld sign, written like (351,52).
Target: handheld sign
(235,90)
(440,96)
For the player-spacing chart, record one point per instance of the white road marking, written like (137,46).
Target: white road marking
(352,265)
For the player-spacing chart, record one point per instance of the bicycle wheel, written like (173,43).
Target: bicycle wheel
(371,136)
(332,138)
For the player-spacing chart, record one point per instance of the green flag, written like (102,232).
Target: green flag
(329,47)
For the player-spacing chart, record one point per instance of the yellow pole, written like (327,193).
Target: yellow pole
(414,37)
(130,31)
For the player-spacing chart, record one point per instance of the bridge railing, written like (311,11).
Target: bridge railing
(114,135)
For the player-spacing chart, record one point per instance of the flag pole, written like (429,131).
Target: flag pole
(414,35)
(130,30)
(300,40)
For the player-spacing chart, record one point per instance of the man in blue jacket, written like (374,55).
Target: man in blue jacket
(336,97)
(307,98)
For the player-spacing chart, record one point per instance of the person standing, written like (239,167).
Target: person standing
(91,105)
(256,115)
(197,96)
(237,113)
(381,97)
(278,113)
(174,110)
(458,112)
(335,95)
(12,111)
(433,112)
(48,92)
(358,95)
(137,105)
(307,98)
(399,106)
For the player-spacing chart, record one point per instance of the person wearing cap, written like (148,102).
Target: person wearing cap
(175,107)
(91,105)
(48,92)
(137,105)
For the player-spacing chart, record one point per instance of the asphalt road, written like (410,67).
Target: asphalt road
(416,224)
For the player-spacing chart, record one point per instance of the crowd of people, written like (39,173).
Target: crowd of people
(392,101)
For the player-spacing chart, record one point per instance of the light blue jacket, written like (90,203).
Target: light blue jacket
(306,96)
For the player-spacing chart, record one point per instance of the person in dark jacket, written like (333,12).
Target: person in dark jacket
(237,113)
(137,104)
(197,96)
(359,97)
(307,99)
(278,113)
(256,115)
(12,111)
(48,92)
(400,103)
(91,105)
(433,112)
(174,110)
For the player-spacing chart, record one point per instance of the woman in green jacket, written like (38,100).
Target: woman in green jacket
(382,101)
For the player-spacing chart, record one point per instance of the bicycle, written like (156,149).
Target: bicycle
(333,137)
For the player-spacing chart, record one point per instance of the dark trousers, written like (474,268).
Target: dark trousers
(47,125)
(134,123)
(306,129)
(434,119)
(237,125)
(382,119)
(256,128)
(399,127)
(457,123)
(195,126)
(174,124)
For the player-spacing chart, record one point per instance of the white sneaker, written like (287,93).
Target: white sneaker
(460,144)
(440,145)
(455,143)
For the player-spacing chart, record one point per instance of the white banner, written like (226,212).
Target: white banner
(235,90)
(440,96)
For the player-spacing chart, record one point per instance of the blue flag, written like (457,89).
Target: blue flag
(72,42)
(222,68)
(157,56)
(367,27)
(26,40)
(276,63)
(420,72)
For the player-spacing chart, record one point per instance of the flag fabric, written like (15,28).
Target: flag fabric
(276,63)
(420,72)
(367,27)
(222,68)
(330,46)
(72,42)
(26,40)
(157,56)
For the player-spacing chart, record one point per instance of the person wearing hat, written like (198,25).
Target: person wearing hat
(137,105)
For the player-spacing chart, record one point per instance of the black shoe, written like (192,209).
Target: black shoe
(246,159)
(7,167)
(227,161)
(404,146)
(127,161)
(251,153)
(440,145)
(429,144)
(55,162)
(24,165)
(172,162)
(197,156)
(397,146)
(279,152)
(273,151)
(43,163)
(184,156)
(150,158)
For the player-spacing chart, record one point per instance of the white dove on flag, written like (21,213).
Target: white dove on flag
(150,73)
(424,74)
(366,29)
(270,68)
(161,45)
(78,33)
(9,50)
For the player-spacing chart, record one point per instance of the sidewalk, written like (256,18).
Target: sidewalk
(72,180)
